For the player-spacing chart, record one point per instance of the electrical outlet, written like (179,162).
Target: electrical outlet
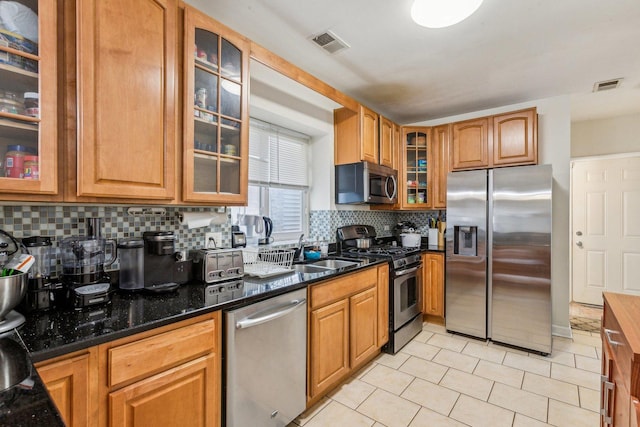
(212,240)
(386,228)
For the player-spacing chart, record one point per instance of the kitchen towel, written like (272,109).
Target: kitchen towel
(202,219)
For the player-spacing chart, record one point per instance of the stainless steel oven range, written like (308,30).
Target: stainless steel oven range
(405,280)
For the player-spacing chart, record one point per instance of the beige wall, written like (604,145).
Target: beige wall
(554,142)
(606,136)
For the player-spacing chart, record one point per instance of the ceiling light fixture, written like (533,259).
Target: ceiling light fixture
(442,13)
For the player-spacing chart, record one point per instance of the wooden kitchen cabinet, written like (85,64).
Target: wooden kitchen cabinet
(182,396)
(355,135)
(470,144)
(32,134)
(620,386)
(440,141)
(363,321)
(329,345)
(170,375)
(433,283)
(415,178)
(71,383)
(508,139)
(216,115)
(388,142)
(515,139)
(122,143)
(344,327)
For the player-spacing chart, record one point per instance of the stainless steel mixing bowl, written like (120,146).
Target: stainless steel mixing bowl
(12,290)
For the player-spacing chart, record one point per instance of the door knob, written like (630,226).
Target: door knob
(578,233)
(579,244)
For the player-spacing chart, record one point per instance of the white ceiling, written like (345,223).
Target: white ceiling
(506,53)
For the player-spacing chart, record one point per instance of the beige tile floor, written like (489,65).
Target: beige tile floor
(440,379)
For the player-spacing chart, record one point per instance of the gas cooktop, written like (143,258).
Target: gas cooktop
(381,251)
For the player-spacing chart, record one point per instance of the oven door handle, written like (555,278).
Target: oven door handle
(407,271)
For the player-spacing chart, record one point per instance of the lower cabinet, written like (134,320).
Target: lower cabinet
(69,381)
(170,376)
(433,287)
(344,327)
(329,342)
(182,396)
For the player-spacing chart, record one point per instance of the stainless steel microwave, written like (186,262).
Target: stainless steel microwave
(365,182)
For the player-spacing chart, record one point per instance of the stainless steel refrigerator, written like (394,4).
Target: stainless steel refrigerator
(498,255)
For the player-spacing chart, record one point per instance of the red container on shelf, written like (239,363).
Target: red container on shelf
(14,160)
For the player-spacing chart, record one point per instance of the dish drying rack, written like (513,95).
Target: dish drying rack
(264,262)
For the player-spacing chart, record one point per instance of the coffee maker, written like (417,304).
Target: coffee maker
(83,277)
(164,268)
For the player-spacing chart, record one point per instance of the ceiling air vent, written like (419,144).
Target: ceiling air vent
(606,85)
(329,42)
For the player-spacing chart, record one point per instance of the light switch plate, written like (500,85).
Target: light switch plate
(212,240)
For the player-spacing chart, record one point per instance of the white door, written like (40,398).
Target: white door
(605,227)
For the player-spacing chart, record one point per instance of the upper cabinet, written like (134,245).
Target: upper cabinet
(470,146)
(216,117)
(388,142)
(355,135)
(416,171)
(28,101)
(502,140)
(126,64)
(515,138)
(440,145)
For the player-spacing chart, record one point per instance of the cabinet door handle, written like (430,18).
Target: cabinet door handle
(608,389)
(613,343)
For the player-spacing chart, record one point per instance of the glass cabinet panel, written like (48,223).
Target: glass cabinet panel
(28,97)
(215,114)
(416,166)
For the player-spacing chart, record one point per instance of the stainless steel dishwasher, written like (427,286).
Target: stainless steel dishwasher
(266,357)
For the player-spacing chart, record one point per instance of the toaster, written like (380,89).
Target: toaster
(216,265)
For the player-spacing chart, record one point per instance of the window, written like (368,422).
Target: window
(278,181)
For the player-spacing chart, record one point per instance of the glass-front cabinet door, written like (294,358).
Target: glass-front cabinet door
(28,98)
(216,112)
(416,168)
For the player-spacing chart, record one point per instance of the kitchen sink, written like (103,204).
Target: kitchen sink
(309,268)
(334,263)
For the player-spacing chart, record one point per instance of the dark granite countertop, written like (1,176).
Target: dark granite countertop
(432,248)
(57,332)
(24,401)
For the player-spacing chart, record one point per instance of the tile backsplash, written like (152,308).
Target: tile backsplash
(323,224)
(58,222)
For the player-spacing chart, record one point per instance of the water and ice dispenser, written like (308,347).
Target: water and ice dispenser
(465,240)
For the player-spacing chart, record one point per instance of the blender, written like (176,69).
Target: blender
(83,261)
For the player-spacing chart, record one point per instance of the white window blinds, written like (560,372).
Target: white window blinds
(277,155)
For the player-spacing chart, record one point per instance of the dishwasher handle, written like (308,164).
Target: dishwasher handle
(271,314)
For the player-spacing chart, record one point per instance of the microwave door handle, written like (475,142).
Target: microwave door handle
(395,187)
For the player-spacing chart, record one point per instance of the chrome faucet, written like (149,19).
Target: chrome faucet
(299,253)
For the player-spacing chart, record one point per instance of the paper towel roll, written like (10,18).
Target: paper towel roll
(202,219)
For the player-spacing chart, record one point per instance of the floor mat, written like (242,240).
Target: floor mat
(585,324)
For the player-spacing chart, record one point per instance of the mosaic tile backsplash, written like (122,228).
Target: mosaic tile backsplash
(58,222)
(323,224)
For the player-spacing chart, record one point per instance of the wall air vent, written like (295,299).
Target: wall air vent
(329,42)
(606,85)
